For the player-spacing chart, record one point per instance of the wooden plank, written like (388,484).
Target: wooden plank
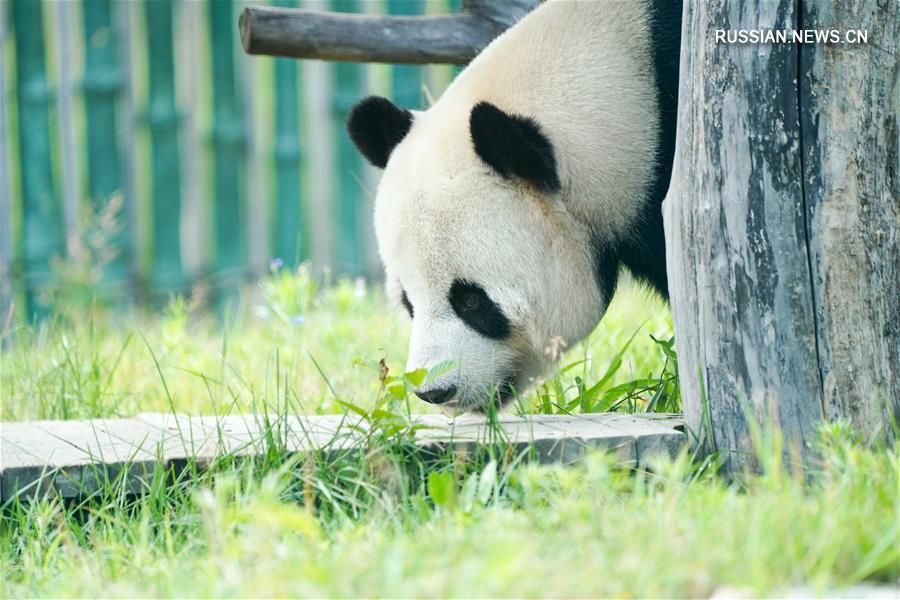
(183,438)
(67,453)
(249,435)
(22,471)
(42,461)
(96,457)
(130,436)
(652,437)
(93,439)
(74,458)
(593,434)
(555,438)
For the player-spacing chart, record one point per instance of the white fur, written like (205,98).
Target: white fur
(582,70)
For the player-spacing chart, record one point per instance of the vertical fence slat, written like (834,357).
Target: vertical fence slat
(191,88)
(163,120)
(229,151)
(6,227)
(440,76)
(42,227)
(377,81)
(126,128)
(320,163)
(290,235)
(406,80)
(348,86)
(102,86)
(70,174)
(455,7)
(256,88)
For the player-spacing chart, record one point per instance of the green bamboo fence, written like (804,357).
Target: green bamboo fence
(131,60)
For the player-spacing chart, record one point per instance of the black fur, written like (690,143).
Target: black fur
(471,304)
(645,256)
(514,146)
(376,126)
(407,304)
(607,260)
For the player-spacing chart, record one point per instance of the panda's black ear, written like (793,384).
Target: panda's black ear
(376,126)
(514,146)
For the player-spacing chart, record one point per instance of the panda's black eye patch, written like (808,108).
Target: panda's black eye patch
(406,303)
(471,304)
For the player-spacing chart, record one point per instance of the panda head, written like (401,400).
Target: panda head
(478,245)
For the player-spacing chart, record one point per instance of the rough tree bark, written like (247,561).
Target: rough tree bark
(456,39)
(782,230)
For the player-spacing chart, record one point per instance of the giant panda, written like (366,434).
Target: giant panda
(506,210)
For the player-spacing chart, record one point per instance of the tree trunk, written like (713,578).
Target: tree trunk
(782,223)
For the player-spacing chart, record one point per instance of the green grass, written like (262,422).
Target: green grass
(389,521)
(88,362)
(375,526)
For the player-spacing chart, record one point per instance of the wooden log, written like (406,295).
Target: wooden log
(456,39)
(782,298)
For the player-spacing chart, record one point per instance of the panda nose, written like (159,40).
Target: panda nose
(437,396)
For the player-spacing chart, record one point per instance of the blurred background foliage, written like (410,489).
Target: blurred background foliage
(143,153)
